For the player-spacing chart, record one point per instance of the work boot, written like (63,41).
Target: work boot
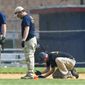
(27,76)
(68,75)
(75,73)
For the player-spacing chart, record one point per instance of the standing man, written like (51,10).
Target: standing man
(63,61)
(2,30)
(29,41)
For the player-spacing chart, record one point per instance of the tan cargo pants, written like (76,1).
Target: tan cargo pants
(65,64)
(29,50)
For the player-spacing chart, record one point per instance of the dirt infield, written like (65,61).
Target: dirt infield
(18,76)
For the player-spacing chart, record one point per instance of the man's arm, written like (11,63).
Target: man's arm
(26,32)
(49,72)
(46,70)
(40,74)
(4,30)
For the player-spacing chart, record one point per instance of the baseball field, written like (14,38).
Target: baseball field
(11,76)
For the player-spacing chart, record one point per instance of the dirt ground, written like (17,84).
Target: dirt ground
(18,76)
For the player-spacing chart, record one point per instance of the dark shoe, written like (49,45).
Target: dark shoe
(27,77)
(75,73)
(69,75)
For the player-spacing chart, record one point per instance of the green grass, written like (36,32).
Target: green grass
(13,70)
(81,70)
(23,70)
(41,82)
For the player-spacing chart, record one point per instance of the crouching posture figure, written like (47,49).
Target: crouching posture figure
(64,62)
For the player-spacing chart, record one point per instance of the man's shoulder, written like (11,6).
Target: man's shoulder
(59,53)
(54,52)
(2,14)
(27,17)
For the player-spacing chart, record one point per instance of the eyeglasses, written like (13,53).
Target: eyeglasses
(17,12)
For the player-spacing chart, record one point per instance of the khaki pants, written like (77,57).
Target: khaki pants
(65,64)
(29,50)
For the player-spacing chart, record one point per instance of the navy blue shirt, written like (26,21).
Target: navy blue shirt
(53,55)
(28,21)
(2,20)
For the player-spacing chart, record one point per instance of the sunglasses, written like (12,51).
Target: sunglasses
(17,12)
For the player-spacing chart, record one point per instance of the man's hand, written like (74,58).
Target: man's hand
(23,44)
(40,76)
(2,40)
(38,72)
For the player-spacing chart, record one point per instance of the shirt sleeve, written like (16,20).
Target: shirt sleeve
(3,19)
(26,21)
